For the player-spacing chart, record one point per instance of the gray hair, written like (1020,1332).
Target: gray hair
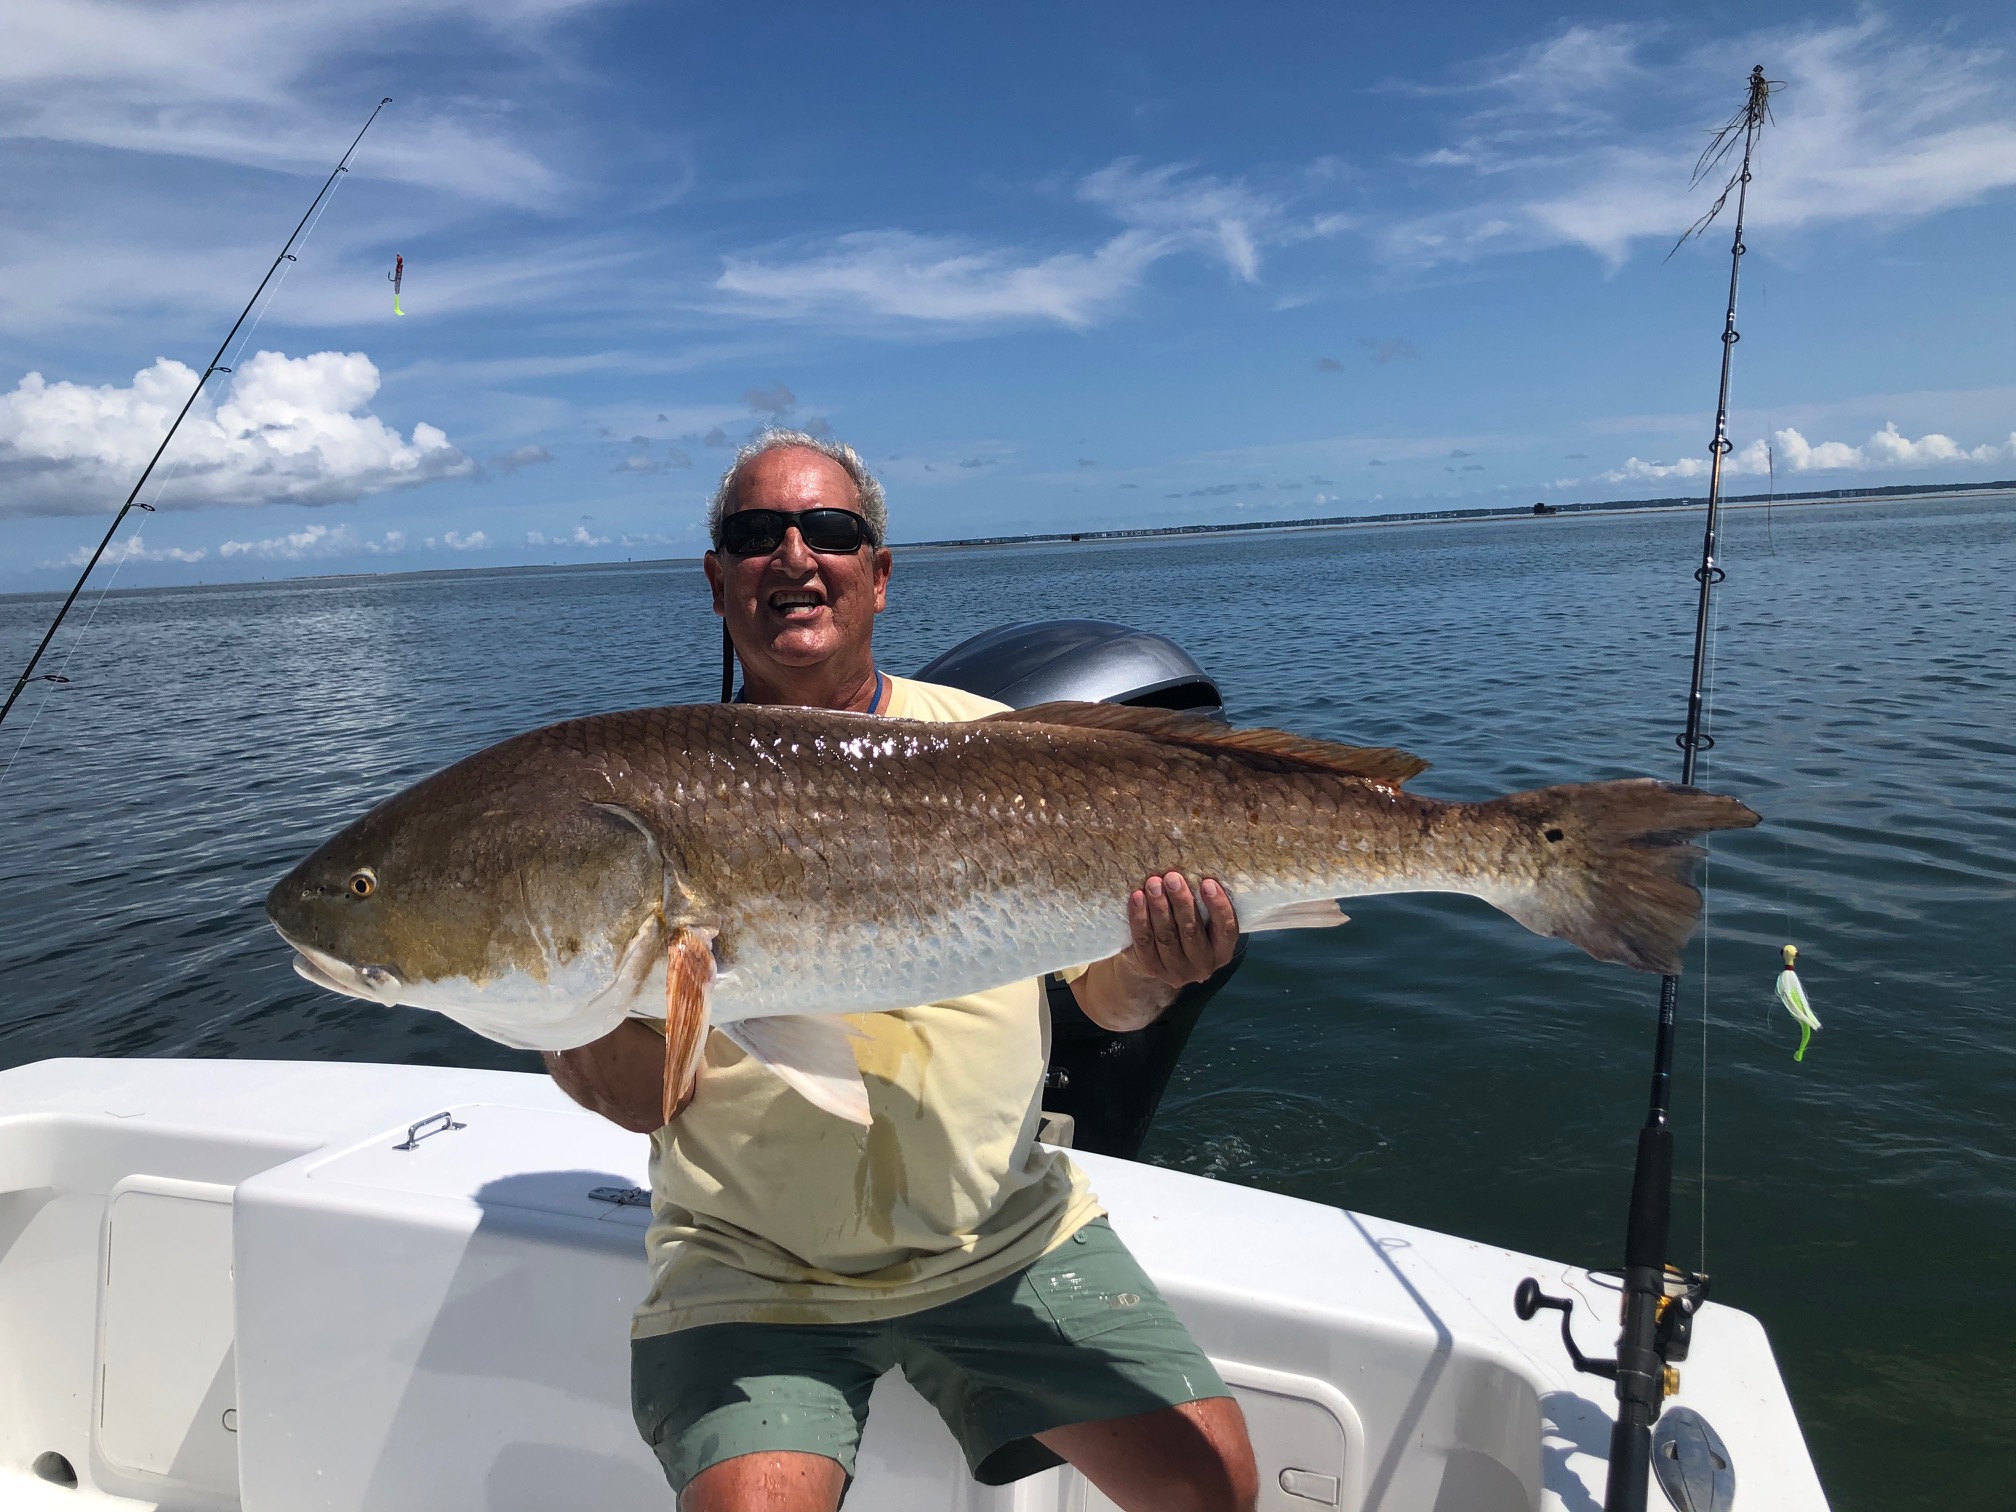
(874,509)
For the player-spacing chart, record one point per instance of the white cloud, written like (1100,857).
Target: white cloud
(942,279)
(289,430)
(1790,452)
(88,272)
(133,549)
(201,121)
(582,536)
(313,541)
(523,456)
(1190,211)
(1588,139)
(476,540)
(1637,470)
(227,80)
(1164,211)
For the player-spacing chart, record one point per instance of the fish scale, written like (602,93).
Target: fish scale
(841,863)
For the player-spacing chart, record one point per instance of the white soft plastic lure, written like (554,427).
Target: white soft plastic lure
(1793,995)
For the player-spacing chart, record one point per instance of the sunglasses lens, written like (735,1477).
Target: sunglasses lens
(752,532)
(831,530)
(757,532)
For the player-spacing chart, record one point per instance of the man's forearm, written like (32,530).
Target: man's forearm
(1115,996)
(621,1075)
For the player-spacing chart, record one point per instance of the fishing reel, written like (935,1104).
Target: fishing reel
(1685,1292)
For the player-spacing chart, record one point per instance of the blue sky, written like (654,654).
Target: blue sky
(1046,267)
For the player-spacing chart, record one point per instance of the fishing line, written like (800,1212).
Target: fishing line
(1790,992)
(216,364)
(19,745)
(246,340)
(168,480)
(1784,841)
(118,566)
(1770,494)
(62,673)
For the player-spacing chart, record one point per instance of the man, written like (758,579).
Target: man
(796,1257)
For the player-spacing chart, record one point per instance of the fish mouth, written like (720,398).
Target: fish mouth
(374,984)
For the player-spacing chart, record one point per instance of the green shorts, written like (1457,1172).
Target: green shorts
(1080,1336)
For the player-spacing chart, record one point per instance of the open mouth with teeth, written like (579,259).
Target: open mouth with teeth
(796,603)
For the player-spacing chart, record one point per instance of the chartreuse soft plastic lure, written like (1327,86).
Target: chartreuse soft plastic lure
(1793,996)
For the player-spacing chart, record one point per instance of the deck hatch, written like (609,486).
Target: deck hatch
(165,1363)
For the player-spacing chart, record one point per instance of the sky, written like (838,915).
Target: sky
(1047,267)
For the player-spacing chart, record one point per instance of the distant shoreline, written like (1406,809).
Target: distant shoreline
(1892,495)
(1492,516)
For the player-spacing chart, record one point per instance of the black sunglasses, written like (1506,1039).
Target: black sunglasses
(758,532)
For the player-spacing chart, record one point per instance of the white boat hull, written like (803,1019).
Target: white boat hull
(226,1284)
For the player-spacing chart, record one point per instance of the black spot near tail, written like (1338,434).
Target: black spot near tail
(1614,866)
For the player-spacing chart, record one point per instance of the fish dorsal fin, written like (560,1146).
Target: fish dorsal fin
(1266,750)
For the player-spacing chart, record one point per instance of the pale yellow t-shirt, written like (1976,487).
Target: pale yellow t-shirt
(765,1209)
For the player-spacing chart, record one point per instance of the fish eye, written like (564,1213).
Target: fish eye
(363,882)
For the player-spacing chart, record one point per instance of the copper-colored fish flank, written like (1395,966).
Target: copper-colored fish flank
(842,863)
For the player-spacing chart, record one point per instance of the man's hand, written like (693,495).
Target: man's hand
(1176,942)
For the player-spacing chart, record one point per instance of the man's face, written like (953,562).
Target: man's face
(797,607)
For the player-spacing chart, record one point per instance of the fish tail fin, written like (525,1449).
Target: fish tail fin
(1612,865)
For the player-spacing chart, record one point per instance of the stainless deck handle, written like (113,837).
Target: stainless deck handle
(414,1136)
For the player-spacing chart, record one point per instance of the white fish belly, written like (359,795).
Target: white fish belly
(778,958)
(569,1007)
(777,961)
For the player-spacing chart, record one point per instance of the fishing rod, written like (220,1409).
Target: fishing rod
(215,366)
(1659,1300)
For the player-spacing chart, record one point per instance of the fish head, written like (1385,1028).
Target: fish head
(526,910)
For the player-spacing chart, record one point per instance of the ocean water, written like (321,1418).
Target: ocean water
(1429,1062)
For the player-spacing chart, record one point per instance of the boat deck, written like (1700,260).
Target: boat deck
(233,1284)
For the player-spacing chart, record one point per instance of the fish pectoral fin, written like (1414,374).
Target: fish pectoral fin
(689,979)
(1323,913)
(814,1056)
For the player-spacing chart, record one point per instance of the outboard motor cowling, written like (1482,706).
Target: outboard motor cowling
(1096,661)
